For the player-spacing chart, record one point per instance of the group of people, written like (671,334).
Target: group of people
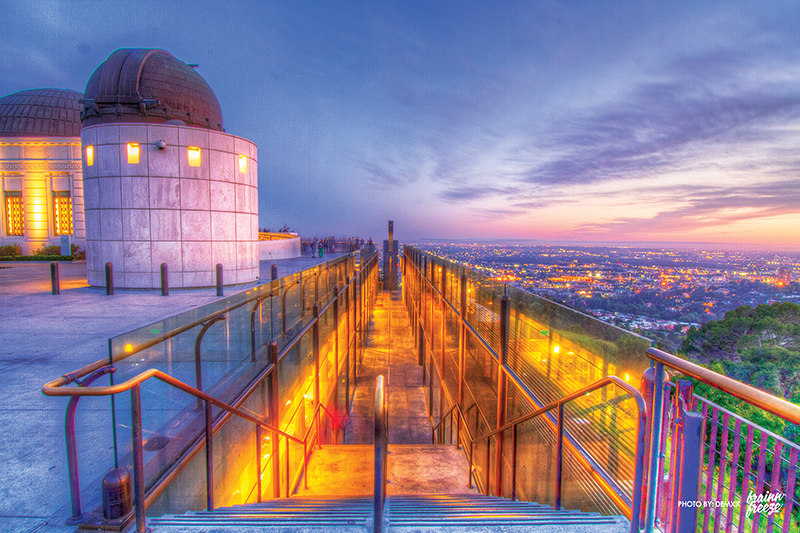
(319,247)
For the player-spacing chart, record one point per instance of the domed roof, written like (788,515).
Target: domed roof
(41,113)
(149,85)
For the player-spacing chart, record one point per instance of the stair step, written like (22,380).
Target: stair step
(434,513)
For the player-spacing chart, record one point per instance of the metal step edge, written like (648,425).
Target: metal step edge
(219,523)
(495,523)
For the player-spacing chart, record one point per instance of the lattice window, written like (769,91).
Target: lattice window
(15,214)
(62,213)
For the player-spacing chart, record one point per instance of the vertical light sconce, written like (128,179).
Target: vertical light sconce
(243,164)
(194,156)
(89,156)
(133,153)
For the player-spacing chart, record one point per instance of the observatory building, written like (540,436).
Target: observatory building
(163,181)
(40,168)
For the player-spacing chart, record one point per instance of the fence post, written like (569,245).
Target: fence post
(55,285)
(220,290)
(274,271)
(164,279)
(691,466)
(109,279)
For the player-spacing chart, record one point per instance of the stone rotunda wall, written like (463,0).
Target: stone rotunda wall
(162,210)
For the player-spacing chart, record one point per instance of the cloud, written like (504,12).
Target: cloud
(707,207)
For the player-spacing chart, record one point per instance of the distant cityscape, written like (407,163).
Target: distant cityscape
(659,293)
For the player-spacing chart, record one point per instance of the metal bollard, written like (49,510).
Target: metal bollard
(117,495)
(109,279)
(55,285)
(164,279)
(274,270)
(220,291)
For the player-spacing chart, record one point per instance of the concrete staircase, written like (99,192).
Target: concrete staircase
(418,513)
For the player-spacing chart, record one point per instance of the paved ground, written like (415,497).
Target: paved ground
(44,336)
(390,352)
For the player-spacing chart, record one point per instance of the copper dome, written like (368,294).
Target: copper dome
(149,85)
(41,113)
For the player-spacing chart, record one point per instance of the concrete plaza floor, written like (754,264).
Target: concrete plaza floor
(43,337)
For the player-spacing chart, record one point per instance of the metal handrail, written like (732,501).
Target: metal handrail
(772,404)
(56,387)
(381,453)
(70,377)
(599,384)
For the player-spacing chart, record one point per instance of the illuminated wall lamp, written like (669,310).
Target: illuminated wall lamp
(243,164)
(133,153)
(194,156)
(89,156)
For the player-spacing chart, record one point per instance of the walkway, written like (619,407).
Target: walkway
(415,466)
(390,352)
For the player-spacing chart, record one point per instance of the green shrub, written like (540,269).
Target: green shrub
(10,250)
(53,249)
(77,253)
(37,258)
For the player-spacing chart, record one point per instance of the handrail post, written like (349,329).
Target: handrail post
(462,348)
(253,329)
(138,458)
(336,361)
(258,461)
(315,344)
(274,412)
(348,337)
(72,448)
(514,462)
(443,337)
(501,392)
(655,447)
(381,449)
(209,458)
(198,374)
(559,455)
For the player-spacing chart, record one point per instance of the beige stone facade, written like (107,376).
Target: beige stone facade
(43,177)
(162,209)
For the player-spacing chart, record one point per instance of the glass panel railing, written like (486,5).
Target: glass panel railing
(220,348)
(551,351)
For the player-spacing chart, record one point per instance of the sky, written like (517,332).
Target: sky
(555,122)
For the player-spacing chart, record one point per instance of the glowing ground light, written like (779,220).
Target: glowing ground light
(556,348)
(128,348)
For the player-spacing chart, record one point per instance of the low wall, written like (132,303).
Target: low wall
(279,249)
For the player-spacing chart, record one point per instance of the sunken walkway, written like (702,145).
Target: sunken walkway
(415,465)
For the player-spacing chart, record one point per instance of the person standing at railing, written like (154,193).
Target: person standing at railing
(320,249)
(314,247)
